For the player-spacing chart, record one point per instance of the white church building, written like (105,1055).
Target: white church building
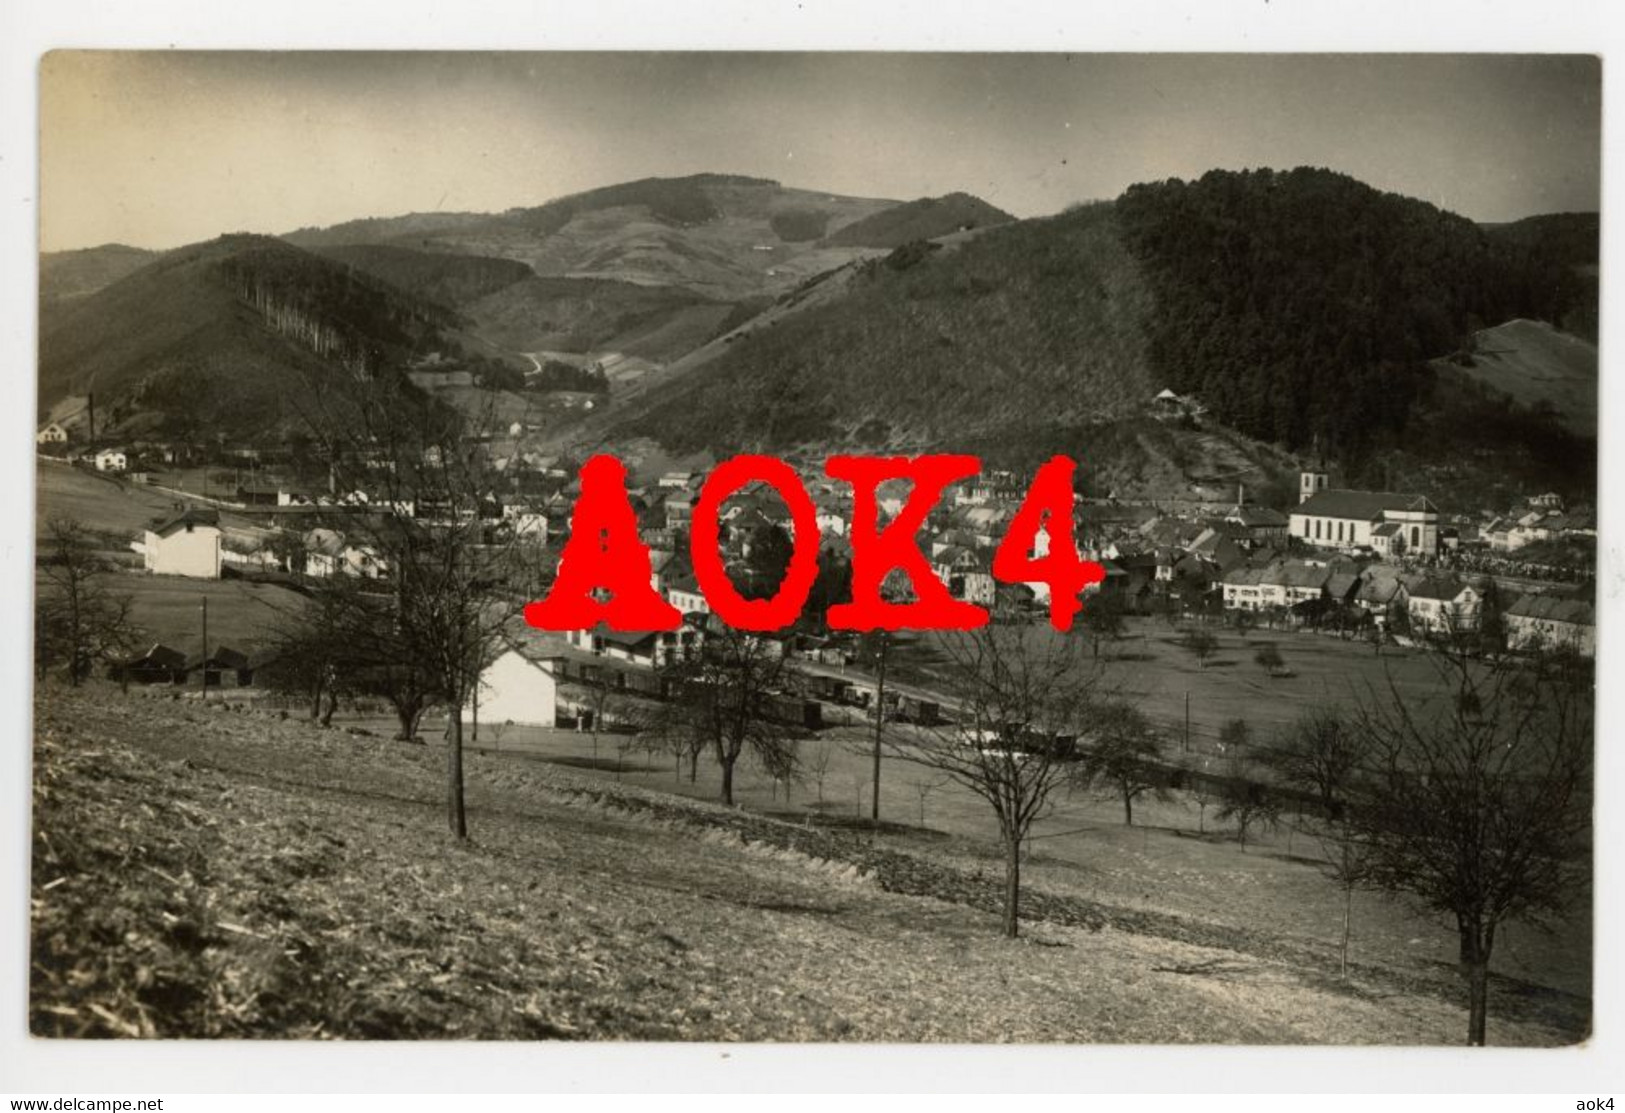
(1391,524)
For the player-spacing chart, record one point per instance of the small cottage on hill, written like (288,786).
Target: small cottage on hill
(184,544)
(519,687)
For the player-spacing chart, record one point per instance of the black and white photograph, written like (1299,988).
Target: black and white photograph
(816,547)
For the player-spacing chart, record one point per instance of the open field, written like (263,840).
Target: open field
(103,502)
(1151,667)
(1533,363)
(201,872)
(169,609)
(1175,859)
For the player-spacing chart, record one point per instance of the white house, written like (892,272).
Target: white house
(187,544)
(519,688)
(329,553)
(112,459)
(1552,622)
(652,649)
(967,575)
(1443,605)
(526,522)
(51,434)
(1282,584)
(832,516)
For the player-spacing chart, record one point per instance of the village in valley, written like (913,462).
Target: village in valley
(1286,736)
(1383,567)
(1225,637)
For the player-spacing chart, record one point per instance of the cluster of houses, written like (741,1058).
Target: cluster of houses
(1542,519)
(1369,557)
(1358,557)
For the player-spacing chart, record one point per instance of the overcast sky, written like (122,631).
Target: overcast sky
(161,149)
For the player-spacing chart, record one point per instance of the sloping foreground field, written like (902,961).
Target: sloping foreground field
(200,871)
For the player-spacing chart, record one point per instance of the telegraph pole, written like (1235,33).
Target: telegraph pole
(205,647)
(880,719)
(1187,721)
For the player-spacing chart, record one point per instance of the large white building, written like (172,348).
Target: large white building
(516,688)
(187,544)
(1552,622)
(1337,519)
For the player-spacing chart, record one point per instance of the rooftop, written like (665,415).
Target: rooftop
(193,516)
(1364,506)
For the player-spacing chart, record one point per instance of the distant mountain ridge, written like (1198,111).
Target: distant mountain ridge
(1302,310)
(925,219)
(65,275)
(217,336)
(722,236)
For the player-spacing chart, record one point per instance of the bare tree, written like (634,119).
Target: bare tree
(1269,658)
(1202,645)
(1103,618)
(1478,801)
(1022,695)
(923,788)
(1246,800)
(345,640)
(1122,756)
(817,767)
(601,695)
(428,517)
(730,698)
(1199,784)
(1321,754)
(78,618)
(1343,863)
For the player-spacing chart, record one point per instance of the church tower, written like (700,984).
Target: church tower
(1311,483)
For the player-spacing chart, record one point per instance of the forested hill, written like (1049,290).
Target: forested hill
(1302,306)
(446,279)
(1028,326)
(219,335)
(1572,237)
(925,219)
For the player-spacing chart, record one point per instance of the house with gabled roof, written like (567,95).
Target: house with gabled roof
(652,649)
(1343,584)
(1381,592)
(1260,525)
(158,665)
(1283,584)
(223,668)
(1443,604)
(1215,546)
(1552,622)
(520,687)
(1243,589)
(186,543)
(967,574)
